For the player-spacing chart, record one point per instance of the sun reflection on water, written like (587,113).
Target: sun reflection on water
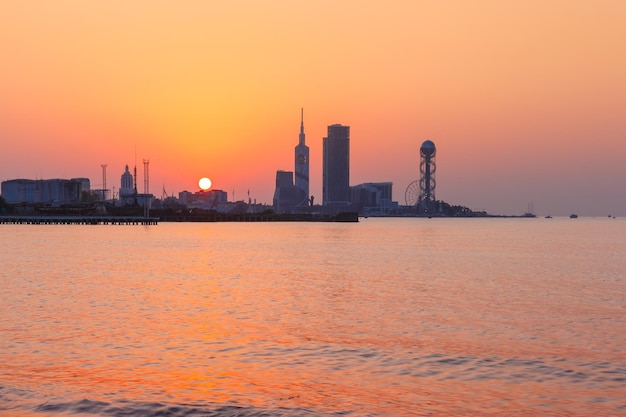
(368,319)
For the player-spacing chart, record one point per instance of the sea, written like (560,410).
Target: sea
(384,317)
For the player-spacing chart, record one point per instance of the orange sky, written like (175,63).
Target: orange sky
(526,101)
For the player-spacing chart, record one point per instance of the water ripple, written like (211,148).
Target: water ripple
(155,409)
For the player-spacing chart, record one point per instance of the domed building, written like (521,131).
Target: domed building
(127,189)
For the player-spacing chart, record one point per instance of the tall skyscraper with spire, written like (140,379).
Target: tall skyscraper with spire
(302,164)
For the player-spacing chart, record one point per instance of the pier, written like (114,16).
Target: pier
(183,216)
(90,220)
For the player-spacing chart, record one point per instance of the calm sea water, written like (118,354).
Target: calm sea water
(387,317)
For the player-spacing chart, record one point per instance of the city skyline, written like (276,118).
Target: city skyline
(524,101)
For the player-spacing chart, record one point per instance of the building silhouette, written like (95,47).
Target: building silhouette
(286,195)
(290,196)
(301,162)
(426,202)
(128,195)
(207,200)
(373,198)
(127,189)
(51,192)
(336,166)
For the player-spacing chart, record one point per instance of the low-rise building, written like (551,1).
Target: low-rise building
(207,200)
(372,198)
(287,197)
(51,191)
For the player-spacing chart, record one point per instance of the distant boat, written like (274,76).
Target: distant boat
(548,217)
(573,216)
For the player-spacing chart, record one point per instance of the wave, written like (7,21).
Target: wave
(126,408)
(544,381)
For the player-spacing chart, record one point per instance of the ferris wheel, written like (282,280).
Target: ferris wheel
(412,194)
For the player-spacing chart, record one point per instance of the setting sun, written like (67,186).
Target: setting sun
(204,183)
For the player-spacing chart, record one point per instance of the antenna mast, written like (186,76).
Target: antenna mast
(135,175)
(146,188)
(104,182)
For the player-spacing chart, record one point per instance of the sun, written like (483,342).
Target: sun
(204,183)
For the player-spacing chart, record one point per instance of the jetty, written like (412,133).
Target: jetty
(214,216)
(89,220)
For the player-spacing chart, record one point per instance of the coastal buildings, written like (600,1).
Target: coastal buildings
(373,198)
(426,202)
(337,195)
(301,154)
(286,195)
(207,200)
(51,191)
(127,189)
(290,196)
(336,166)
(128,195)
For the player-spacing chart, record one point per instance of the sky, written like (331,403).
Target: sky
(524,100)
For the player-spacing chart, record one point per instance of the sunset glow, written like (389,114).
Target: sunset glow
(512,93)
(204,183)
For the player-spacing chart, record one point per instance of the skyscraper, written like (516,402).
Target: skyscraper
(336,169)
(301,155)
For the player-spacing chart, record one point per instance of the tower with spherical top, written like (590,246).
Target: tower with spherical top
(427,171)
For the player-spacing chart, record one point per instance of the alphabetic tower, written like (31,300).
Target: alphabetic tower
(426,200)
